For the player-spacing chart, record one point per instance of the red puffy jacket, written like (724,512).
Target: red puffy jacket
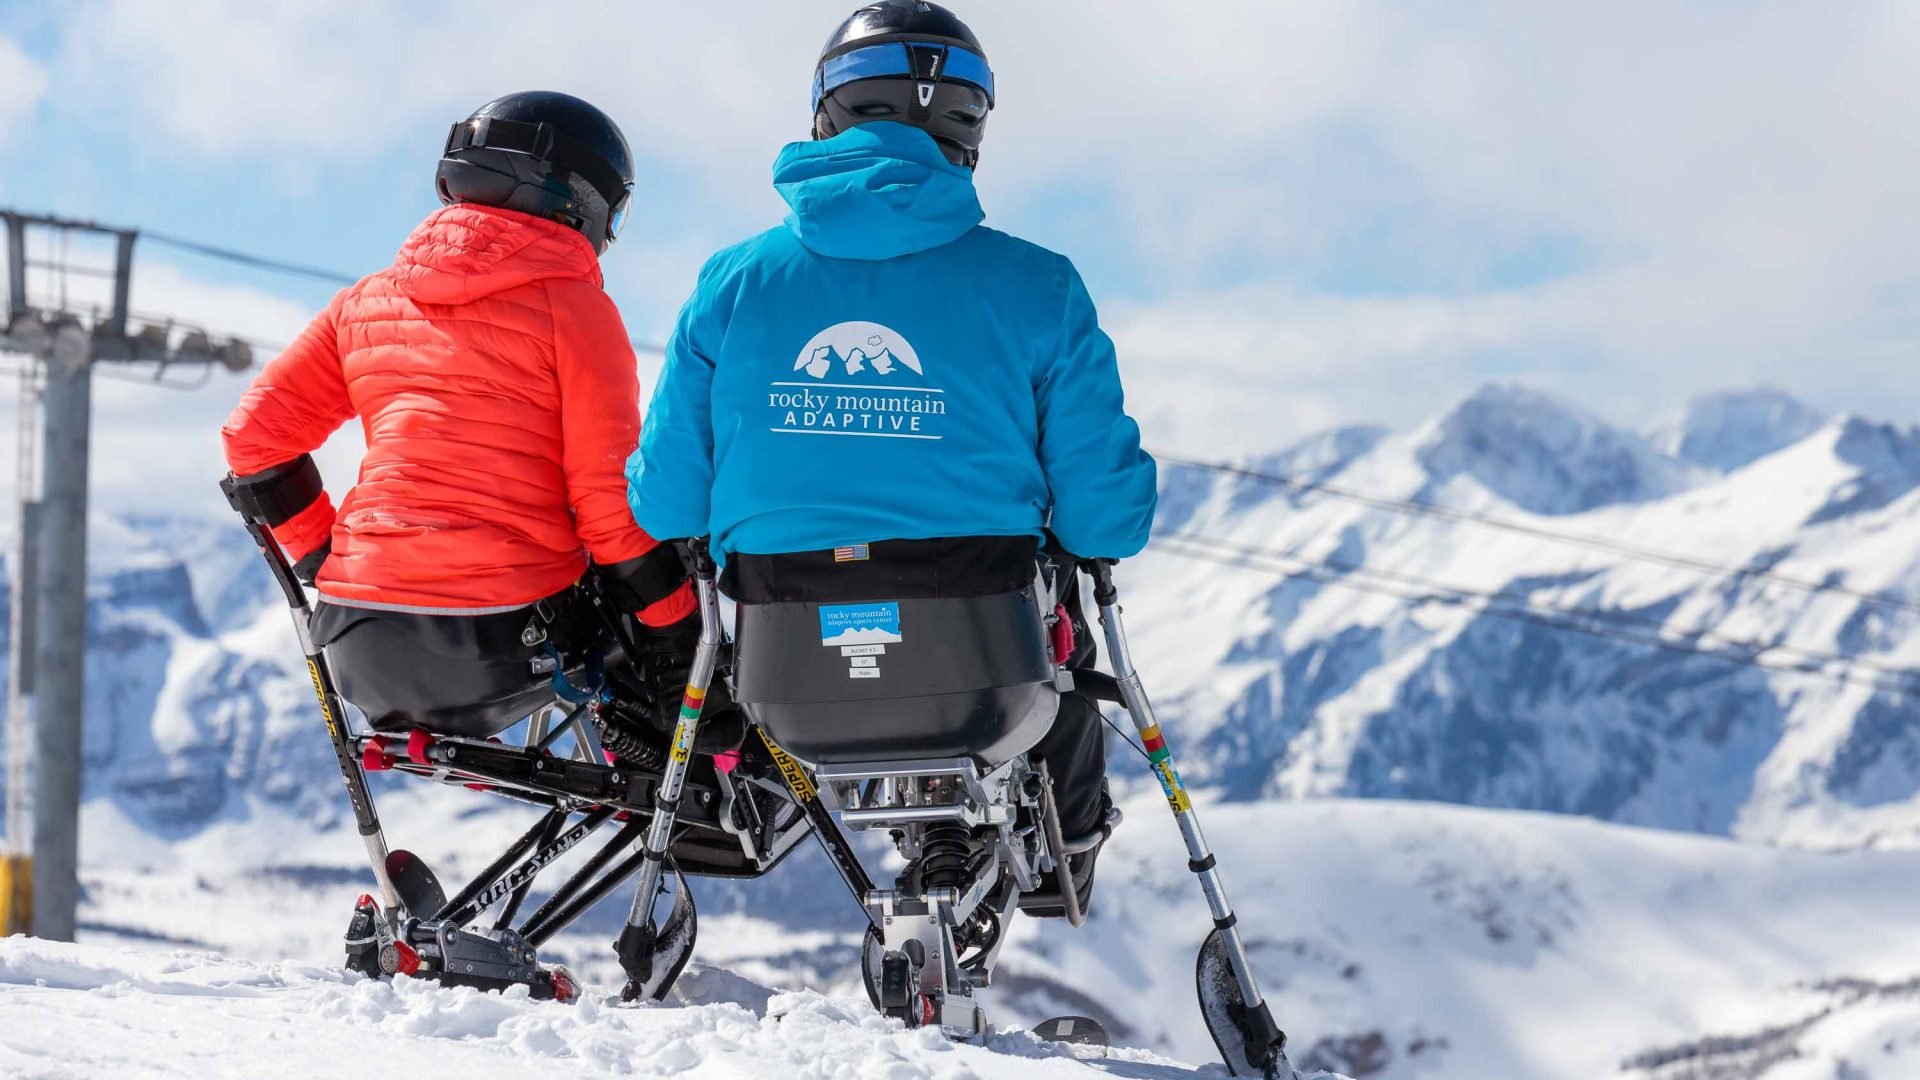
(500,399)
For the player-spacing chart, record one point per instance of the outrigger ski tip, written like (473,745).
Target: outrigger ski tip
(654,954)
(1250,1041)
(1073,1031)
(420,891)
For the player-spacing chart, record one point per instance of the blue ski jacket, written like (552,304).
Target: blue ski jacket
(885,367)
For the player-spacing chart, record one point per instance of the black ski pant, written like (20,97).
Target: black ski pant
(1075,749)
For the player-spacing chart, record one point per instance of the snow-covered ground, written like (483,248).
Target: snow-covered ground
(94,1012)
(1398,941)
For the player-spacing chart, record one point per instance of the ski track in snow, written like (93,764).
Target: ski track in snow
(91,1011)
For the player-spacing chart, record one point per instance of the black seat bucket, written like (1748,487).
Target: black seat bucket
(898,680)
(387,667)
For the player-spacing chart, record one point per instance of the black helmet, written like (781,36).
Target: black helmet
(912,62)
(547,154)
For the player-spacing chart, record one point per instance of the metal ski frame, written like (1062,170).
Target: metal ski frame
(832,840)
(384,936)
(1257,1046)
(915,961)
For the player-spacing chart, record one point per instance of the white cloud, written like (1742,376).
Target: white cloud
(22,84)
(343,81)
(1734,183)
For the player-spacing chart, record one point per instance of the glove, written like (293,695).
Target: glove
(308,568)
(666,657)
(666,662)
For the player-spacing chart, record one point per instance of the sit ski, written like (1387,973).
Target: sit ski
(950,779)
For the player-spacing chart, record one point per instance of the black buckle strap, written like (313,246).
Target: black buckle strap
(276,496)
(565,623)
(929,68)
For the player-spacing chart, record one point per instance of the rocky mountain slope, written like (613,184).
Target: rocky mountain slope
(1709,628)
(1519,606)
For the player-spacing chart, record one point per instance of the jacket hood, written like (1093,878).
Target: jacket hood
(465,251)
(876,191)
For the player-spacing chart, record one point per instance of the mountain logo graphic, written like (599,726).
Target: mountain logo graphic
(855,348)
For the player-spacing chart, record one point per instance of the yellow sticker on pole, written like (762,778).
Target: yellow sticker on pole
(320,692)
(1170,783)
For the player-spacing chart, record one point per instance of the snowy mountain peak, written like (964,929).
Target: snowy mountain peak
(1322,455)
(1886,458)
(1543,454)
(1726,431)
(1884,451)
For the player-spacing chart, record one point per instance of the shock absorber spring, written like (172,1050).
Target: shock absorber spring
(945,851)
(627,738)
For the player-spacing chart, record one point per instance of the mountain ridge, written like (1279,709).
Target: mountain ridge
(1360,679)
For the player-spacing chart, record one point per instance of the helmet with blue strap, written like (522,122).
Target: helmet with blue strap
(910,62)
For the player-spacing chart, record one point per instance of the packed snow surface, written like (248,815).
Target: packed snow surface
(90,1011)
(1397,941)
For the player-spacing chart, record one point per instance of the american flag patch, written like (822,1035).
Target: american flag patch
(851,553)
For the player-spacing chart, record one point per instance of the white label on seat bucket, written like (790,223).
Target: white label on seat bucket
(863,650)
(863,673)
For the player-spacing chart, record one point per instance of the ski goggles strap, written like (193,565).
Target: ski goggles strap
(545,142)
(895,60)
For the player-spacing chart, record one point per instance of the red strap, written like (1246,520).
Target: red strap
(406,960)
(373,757)
(1062,635)
(417,744)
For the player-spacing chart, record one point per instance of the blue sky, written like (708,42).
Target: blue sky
(1293,214)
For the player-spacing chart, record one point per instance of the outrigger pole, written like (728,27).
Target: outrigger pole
(653,952)
(1238,1018)
(331,709)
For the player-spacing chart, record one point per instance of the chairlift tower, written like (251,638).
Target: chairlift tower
(39,881)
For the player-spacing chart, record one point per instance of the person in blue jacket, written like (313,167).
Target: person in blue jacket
(884,370)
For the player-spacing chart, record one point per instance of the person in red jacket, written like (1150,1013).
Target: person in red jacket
(500,398)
